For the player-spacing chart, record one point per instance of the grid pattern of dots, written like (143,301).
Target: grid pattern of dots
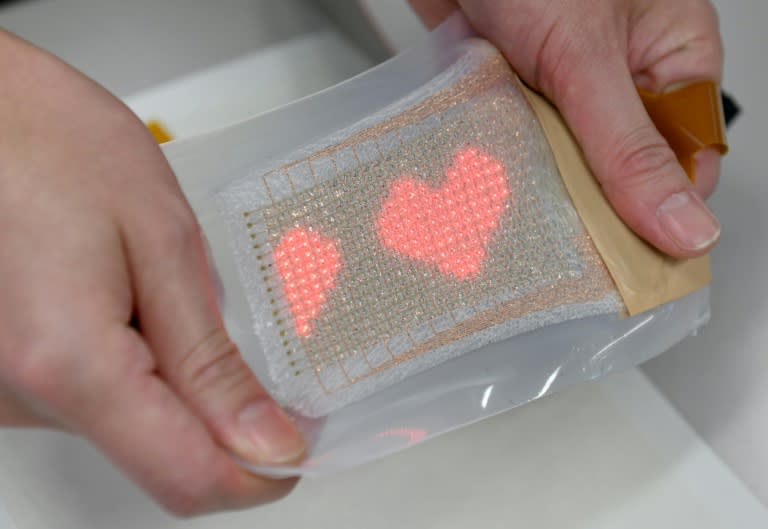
(440,224)
(449,226)
(385,302)
(307,264)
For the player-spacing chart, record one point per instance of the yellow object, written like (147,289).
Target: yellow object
(690,118)
(159,132)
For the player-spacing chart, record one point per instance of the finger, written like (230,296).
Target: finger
(696,48)
(432,12)
(636,167)
(697,55)
(16,414)
(180,321)
(582,67)
(124,408)
(707,167)
(66,347)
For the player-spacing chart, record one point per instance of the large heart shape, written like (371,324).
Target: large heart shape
(308,264)
(449,226)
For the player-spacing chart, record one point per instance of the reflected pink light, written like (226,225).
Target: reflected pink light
(413,435)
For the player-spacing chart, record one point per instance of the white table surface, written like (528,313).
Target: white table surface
(611,454)
(6,522)
(607,455)
(719,380)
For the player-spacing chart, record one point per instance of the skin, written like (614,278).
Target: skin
(108,322)
(588,56)
(97,232)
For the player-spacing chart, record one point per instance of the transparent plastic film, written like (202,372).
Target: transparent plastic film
(398,255)
(437,226)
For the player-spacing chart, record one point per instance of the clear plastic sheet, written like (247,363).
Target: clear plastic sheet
(488,372)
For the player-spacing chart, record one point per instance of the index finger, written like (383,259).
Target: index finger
(137,420)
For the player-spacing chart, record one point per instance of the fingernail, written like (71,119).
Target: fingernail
(271,433)
(688,221)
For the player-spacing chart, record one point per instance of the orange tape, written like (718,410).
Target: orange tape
(690,118)
(159,132)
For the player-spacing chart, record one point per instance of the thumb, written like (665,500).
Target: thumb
(180,321)
(213,379)
(638,170)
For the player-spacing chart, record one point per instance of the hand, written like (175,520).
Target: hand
(95,232)
(588,57)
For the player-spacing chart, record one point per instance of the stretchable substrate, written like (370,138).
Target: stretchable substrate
(433,227)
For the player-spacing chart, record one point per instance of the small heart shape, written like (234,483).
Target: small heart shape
(308,264)
(449,226)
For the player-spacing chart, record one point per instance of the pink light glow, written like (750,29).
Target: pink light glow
(449,226)
(308,264)
(413,435)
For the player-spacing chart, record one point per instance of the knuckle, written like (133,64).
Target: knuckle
(641,158)
(214,363)
(178,233)
(36,365)
(59,368)
(710,59)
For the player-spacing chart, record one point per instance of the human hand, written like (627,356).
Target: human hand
(588,57)
(95,232)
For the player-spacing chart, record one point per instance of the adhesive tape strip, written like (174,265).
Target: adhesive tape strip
(690,118)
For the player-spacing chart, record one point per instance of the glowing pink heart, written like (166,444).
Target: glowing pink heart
(449,226)
(308,264)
